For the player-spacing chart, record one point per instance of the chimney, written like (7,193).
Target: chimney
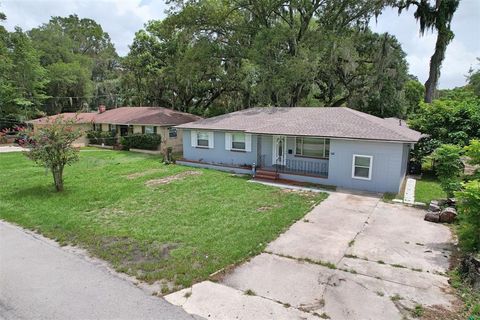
(102,108)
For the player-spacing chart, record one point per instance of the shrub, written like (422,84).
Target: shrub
(142,141)
(448,167)
(99,137)
(473,151)
(469,215)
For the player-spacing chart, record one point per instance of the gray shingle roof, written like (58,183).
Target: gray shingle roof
(145,115)
(320,122)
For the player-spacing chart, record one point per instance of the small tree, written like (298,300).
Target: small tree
(52,146)
(469,216)
(448,167)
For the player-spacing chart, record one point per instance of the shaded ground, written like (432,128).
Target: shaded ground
(352,257)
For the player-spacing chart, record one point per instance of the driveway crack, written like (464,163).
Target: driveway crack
(365,223)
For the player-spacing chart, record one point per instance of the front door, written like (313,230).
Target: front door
(123,130)
(278,154)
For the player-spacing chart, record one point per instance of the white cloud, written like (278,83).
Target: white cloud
(122,18)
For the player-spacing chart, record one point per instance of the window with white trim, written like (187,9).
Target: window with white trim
(202,139)
(312,147)
(362,167)
(238,141)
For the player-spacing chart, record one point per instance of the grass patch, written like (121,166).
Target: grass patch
(417,311)
(178,232)
(428,189)
(250,292)
(351,242)
(396,297)
(469,296)
(388,196)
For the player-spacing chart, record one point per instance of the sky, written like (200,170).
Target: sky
(122,18)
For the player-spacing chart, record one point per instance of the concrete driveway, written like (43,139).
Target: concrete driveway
(351,257)
(40,280)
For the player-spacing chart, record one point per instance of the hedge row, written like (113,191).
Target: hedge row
(147,141)
(99,137)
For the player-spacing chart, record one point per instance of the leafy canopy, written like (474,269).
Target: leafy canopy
(214,56)
(454,118)
(448,167)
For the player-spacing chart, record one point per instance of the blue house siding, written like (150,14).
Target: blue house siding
(388,166)
(218,154)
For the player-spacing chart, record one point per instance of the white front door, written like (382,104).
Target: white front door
(278,154)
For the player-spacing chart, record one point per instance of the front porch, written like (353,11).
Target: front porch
(297,167)
(283,155)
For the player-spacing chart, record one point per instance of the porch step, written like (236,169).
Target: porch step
(265,174)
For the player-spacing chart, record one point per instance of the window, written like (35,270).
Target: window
(172,132)
(362,167)
(150,130)
(238,141)
(312,147)
(202,139)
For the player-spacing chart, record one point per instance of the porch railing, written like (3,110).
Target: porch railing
(297,166)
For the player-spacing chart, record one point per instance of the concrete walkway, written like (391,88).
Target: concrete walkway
(351,257)
(11,148)
(40,280)
(409,195)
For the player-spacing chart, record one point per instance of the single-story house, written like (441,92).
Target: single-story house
(128,120)
(157,120)
(330,146)
(83,122)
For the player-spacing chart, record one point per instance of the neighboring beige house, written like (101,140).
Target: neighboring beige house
(127,120)
(157,120)
(83,121)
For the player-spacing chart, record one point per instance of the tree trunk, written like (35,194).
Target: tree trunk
(435,65)
(58,178)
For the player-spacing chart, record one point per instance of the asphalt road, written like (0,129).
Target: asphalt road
(40,280)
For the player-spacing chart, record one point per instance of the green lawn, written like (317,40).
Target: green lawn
(428,189)
(178,232)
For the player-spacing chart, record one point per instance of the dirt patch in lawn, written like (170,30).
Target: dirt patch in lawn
(133,252)
(166,180)
(143,173)
(268,208)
